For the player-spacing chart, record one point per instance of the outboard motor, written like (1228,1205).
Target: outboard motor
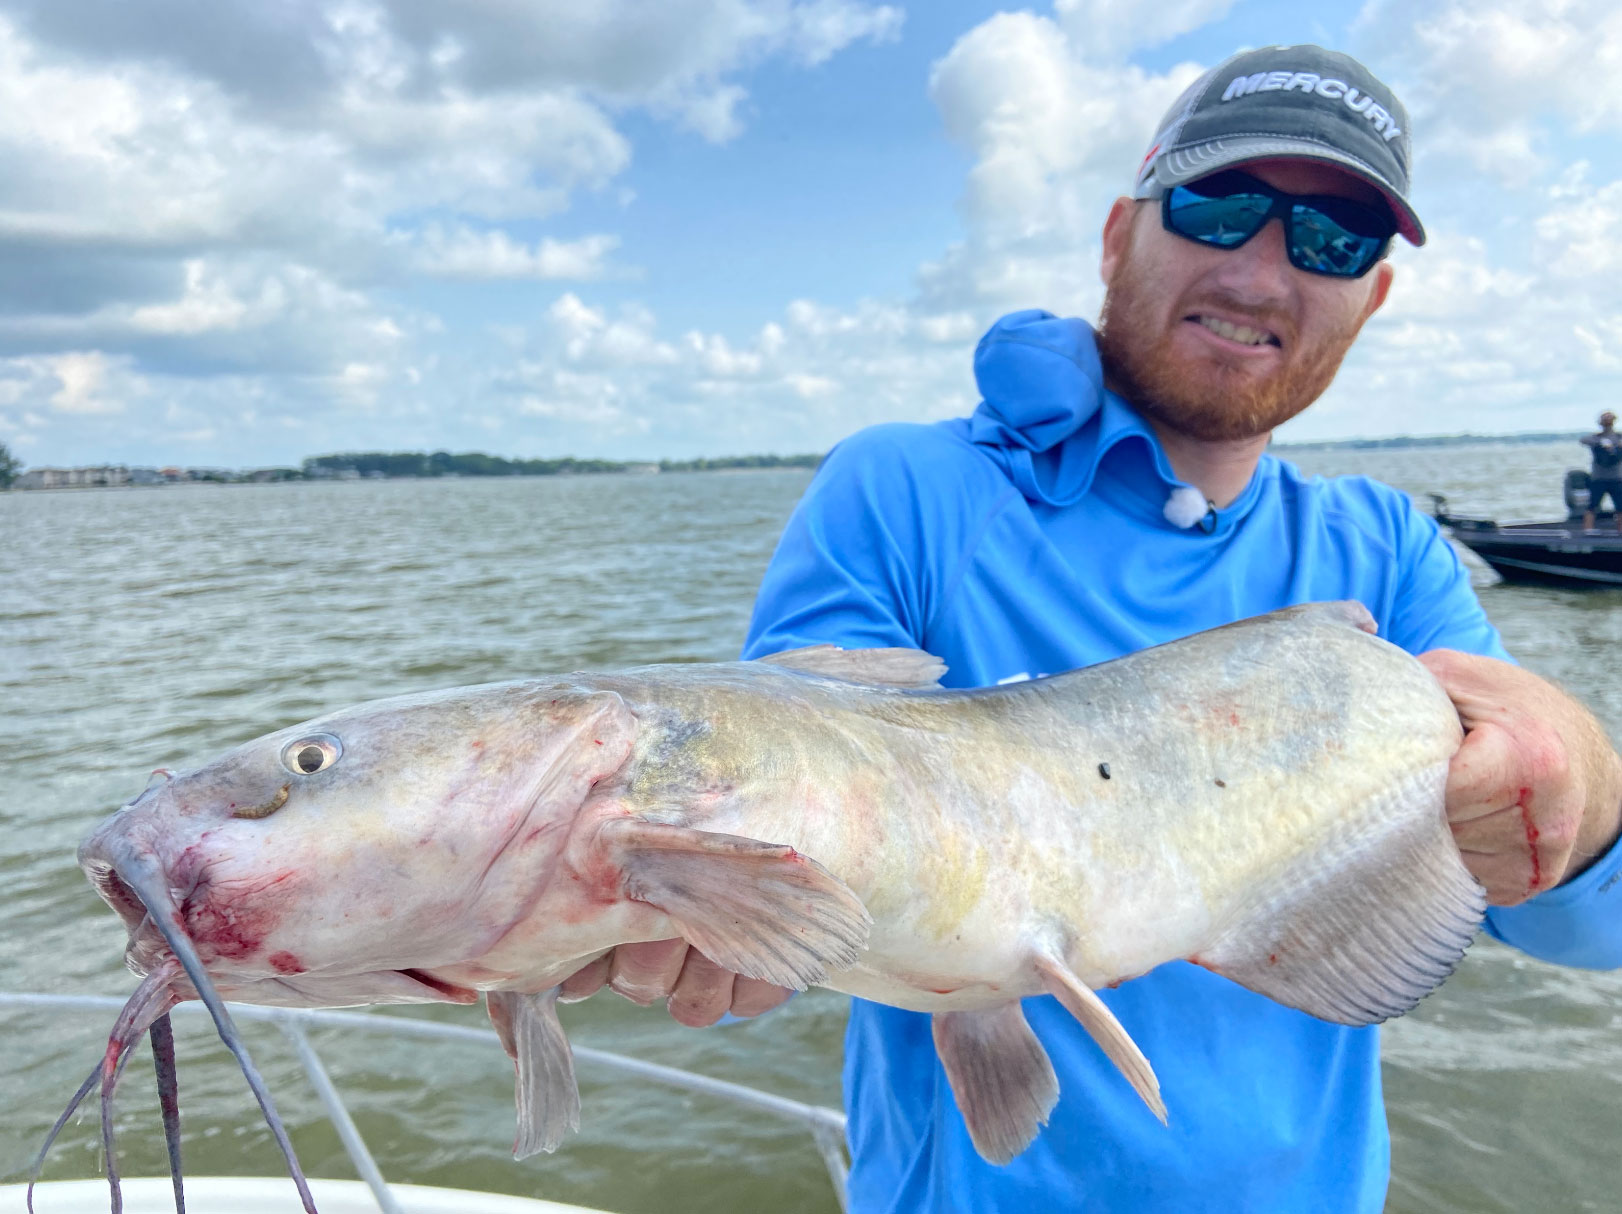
(1577,496)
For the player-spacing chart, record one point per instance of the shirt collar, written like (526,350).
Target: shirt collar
(1046,417)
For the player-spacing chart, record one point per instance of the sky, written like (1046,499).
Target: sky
(243,233)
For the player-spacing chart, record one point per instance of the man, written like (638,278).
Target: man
(1113,492)
(1605,477)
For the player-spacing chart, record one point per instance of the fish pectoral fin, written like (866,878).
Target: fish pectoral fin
(1000,1074)
(548,1098)
(892,667)
(758,909)
(1105,1029)
(1370,926)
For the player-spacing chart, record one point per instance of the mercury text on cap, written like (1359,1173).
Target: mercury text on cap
(1323,86)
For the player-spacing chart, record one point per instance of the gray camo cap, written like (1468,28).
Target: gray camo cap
(1296,102)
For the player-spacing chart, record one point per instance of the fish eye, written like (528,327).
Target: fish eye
(309,755)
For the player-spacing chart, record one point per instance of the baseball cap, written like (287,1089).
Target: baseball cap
(1298,102)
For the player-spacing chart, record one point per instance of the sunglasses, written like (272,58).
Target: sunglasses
(1323,234)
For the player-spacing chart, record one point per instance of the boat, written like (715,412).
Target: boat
(253,1194)
(1556,553)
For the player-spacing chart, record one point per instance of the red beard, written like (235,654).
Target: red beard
(1213,401)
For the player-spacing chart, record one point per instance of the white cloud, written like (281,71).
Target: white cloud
(821,29)
(1056,136)
(207,304)
(1106,30)
(463,252)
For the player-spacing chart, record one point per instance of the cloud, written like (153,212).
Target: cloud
(1104,31)
(1055,135)
(1483,80)
(463,252)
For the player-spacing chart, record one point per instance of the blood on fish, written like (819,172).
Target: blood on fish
(284,962)
(1272,958)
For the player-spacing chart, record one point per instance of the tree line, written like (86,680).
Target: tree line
(475,463)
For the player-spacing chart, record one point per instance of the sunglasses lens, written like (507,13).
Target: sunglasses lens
(1336,236)
(1204,212)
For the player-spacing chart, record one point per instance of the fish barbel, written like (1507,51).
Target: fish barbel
(1265,799)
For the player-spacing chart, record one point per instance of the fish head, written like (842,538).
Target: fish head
(332,861)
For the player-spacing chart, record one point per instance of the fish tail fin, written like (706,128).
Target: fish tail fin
(1001,1077)
(1104,1029)
(1371,928)
(758,909)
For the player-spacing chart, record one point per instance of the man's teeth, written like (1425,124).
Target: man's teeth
(1242,334)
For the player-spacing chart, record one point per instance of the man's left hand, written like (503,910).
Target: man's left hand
(1534,795)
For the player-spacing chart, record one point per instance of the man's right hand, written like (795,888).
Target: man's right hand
(699,992)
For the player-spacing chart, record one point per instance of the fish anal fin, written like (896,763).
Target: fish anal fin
(758,909)
(1372,926)
(1101,1024)
(548,1098)
(1000,1074)
(894,667)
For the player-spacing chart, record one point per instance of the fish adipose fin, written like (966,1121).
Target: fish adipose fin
(882,667)
(1375,924)
(758,909)
(548,1098)
(1000,1075)
(1104,1029)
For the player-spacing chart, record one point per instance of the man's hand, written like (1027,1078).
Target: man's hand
(699,992)
(1535,793)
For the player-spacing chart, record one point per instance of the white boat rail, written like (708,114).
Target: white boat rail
(826,1126)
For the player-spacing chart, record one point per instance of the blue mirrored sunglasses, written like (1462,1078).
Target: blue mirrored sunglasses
(1323,234)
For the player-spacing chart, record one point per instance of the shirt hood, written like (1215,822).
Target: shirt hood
(1045,415)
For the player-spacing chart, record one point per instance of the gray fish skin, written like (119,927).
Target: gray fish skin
(1272,810)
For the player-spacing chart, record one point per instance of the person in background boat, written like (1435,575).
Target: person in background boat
(1113,491)
(1605,477)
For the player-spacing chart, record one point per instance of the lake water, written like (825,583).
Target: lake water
(148,628)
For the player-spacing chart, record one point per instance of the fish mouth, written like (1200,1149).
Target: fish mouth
(117,894)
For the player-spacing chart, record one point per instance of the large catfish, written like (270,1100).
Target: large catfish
(1264,799)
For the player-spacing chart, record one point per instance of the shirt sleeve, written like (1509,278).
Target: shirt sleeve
(850,568)
(1580,922)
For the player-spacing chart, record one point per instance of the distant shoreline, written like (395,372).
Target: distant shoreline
(441,465)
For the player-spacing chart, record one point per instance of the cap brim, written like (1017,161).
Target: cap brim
(1185,164)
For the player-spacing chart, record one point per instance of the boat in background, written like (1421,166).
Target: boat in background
(1558,553)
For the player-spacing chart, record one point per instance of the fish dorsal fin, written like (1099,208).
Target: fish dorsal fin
(1368,924)
(894,667)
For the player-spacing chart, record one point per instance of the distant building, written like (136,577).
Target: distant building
(73,478)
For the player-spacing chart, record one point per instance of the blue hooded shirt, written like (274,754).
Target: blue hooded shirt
(1033,538)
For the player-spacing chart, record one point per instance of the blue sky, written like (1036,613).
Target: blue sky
(241,234)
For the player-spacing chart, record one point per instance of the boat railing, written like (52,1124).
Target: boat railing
(825,1125)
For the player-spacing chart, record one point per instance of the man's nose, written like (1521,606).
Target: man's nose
(1259,270)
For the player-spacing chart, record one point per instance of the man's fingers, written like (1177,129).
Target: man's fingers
(586,981)
(752,996)
(647,972)
(703,993)
(1481,778)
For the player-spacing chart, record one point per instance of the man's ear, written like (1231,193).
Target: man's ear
(1383,273)
(1117,237)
